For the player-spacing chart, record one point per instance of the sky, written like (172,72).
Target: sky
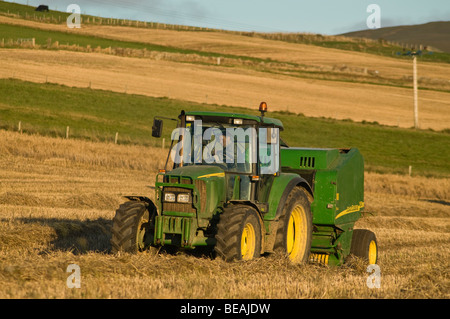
(328,17)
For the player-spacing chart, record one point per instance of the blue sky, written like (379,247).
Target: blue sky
(320,16)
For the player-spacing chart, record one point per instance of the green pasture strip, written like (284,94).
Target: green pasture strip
(97,115)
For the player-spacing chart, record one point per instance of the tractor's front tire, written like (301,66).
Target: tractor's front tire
(133,228)
(238,234)
(294,233)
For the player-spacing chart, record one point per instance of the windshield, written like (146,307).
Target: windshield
(229,147)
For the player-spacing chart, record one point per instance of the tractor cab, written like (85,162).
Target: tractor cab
(240,147)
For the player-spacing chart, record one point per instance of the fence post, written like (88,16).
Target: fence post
(20,127)
(67,132)
(163,143)
(416,104)
(116,138)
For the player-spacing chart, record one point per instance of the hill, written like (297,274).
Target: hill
(54,18)
(227,68)
(432,34)
(313,75)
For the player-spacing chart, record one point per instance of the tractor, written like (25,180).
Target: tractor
(237,188)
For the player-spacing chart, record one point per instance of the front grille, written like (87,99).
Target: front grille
(177,179)
(201,187)
(177,207)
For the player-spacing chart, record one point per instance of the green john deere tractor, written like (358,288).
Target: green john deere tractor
(236,187)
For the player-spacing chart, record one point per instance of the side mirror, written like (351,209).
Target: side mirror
(157,128)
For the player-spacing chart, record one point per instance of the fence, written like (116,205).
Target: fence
(59,17)
(68,134)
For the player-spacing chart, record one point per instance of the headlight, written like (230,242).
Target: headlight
(183,198)
(169,197)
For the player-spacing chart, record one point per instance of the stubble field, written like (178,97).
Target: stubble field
(57,201)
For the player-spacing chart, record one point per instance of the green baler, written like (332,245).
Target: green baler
(337,180)
(248,194)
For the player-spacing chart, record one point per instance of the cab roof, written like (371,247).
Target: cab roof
(208,116)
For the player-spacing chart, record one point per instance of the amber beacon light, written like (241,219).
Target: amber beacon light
(263,108)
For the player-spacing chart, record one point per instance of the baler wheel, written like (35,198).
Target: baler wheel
(364,245)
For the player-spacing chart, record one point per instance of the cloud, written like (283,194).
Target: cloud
(194,9)
(177,12)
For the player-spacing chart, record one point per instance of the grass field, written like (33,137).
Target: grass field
(97,115)
(57,200)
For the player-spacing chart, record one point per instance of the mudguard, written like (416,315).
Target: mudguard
(279,193)
(280,190)
(151,206)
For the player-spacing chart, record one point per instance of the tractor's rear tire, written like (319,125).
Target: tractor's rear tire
(294,233)
(238,234)
(133,228)
(364,245)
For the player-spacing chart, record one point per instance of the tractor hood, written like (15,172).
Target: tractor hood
(198,172)
(207,182)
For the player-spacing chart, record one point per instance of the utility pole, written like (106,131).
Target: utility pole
(416,102)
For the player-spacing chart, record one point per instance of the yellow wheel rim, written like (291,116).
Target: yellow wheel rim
(372,252)
(296,234)
(248,242)
(140,236)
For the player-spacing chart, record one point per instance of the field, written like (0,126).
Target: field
(58,198)
(58,195)
(296,77)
